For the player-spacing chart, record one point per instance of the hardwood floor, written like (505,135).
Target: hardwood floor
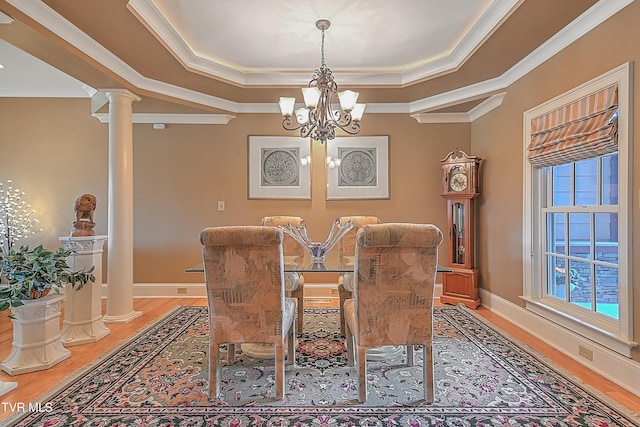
(32,385)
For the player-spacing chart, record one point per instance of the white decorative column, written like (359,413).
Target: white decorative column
(83,322)
(120,246)
(36,336)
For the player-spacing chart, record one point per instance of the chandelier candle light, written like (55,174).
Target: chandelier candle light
(318,119)
(317,250)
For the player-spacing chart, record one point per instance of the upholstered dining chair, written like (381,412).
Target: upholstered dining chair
(392,301)
(243,269)
(346,257)
(293,256)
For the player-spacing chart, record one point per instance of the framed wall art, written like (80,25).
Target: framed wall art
(278,168)
(363,168)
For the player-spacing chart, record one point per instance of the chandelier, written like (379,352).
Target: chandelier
(317,119)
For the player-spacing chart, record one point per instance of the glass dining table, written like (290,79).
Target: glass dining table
(331,265)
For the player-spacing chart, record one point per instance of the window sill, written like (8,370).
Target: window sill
(592,327)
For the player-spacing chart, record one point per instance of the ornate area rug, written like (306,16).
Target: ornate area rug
(482,378)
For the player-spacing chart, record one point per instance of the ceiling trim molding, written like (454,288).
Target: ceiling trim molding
(192,119)
(598,13)
(153,19)
(5,19)
(478,111)
(493,102)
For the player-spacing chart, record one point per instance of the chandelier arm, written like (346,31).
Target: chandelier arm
(289,124)
(352,128)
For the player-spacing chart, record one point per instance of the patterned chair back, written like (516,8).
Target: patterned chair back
(290,247)
(245,288)
(396,269)
(347,245)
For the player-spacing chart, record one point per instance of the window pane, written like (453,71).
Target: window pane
(562,184)
(580,283)
(579,235)
(607,237)
(556,240)
(587,182)
(557,277)
(607,291)
(610,180)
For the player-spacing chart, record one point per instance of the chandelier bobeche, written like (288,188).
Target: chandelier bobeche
(318,120)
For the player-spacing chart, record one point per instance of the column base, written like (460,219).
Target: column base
(6,387)
(122,318)
(77,333)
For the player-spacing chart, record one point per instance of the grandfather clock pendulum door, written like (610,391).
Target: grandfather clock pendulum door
(460,186)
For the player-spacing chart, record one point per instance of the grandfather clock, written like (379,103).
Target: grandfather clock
(460,186)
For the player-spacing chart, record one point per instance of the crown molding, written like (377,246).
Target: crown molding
(478,111)
(598,13)
(193,119)
(5,19)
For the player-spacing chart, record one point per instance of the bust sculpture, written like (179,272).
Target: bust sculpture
(84,207)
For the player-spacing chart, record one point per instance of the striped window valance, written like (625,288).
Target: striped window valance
(577,131)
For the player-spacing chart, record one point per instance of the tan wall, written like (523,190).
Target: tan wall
(55,151)
(498,138)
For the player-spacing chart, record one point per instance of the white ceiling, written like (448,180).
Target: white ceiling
(23,75)
(267,42)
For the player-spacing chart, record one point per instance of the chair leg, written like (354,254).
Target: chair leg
(410,355)
(350,350)
(427,366)
(344,295)
(231,354)
(291,344)
(279,371)
(362,374)
(298,294)
(214,370)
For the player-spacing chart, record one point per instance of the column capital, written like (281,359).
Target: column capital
(84,244)
(115,94)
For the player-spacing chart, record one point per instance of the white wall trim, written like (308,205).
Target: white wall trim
(621,370)
(197,119)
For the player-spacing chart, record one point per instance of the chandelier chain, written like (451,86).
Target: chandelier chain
(322,50)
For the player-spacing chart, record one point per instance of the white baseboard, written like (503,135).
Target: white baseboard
(611,365)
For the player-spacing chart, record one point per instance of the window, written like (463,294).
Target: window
(576,231)
(580,213)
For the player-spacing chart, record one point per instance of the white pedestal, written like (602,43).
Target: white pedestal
(6,387)
(36,336)
(83,322)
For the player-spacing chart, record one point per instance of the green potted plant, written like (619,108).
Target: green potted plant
(33,273)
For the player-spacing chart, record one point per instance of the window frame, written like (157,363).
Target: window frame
(615,334)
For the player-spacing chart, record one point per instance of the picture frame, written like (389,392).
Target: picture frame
(279,167)
(362,170)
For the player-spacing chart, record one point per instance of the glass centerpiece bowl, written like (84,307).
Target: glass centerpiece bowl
(318,250)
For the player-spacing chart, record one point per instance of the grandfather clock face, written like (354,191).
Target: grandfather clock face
(458,178)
